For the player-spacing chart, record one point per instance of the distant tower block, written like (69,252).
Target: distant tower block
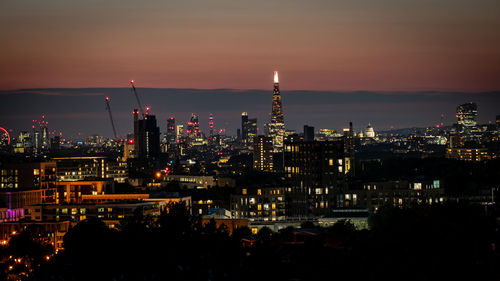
(467,114)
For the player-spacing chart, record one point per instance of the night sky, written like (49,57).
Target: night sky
(389,62)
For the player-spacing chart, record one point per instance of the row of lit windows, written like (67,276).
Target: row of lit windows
(252,201)
(244,191)
(9,172)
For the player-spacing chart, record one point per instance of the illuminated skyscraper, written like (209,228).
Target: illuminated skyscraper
(467,114)
(171,134)
(277,125)
(244,130)
(211,124)
(147,135)
(248,128)
(193,127)
(180,131)
(251,130)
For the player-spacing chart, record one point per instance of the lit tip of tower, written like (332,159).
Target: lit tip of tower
(132,81)
(276,79)
(107,98)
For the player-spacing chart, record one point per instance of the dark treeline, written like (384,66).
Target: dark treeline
(445,242)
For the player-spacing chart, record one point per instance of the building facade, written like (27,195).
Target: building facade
(315,175)
(263,153)
(259,203)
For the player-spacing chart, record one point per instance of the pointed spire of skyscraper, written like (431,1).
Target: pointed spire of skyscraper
(277,125)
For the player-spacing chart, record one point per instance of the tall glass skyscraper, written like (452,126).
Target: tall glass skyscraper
(277,125)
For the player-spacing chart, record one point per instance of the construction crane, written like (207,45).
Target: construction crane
(111,118)
(132,83)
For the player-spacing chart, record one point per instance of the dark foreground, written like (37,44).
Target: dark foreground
(448,242)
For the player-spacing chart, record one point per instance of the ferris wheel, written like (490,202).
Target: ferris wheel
(4,136)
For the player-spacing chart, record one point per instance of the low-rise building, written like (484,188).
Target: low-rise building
(373,195)
(108,212)
(27,175)
(192,182)
(72,191)
(259,203)
(468,154)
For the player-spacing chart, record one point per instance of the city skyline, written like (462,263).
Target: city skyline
(76,110)
(246,140)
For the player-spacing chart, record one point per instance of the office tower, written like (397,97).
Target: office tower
(193,127)
(148,138)
(244,129)
(248,129)
(24,140)
(211,124)
(308,133)
(467,114)
(128,147)
(238,134)
(171,134)
(277,125)
(315,175)
(36,139)
(180,131)
(263,153)
(44,131)
(136,130)
(251,130)
(349,149)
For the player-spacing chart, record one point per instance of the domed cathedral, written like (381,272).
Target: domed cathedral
(369,132)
